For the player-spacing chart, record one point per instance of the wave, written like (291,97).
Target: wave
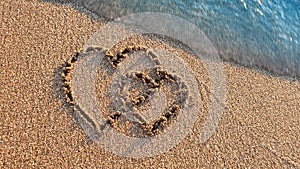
(254,33)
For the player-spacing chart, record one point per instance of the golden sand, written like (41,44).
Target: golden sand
(260,127)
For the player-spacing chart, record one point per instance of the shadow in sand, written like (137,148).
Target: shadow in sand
(59,93)
(58,87)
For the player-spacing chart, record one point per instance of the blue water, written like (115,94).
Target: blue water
(255,33)
(252,32)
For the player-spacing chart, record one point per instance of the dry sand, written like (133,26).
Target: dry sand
(259,129)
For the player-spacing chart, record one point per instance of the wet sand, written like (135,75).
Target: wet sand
(260,127)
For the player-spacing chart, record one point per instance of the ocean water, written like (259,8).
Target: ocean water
(254,33)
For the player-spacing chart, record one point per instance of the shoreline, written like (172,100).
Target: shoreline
(257,63)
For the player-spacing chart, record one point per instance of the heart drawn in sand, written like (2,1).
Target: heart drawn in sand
(150,99)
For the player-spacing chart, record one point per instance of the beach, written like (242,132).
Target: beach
(259,127)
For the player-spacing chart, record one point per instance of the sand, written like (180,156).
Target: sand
(260,127)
